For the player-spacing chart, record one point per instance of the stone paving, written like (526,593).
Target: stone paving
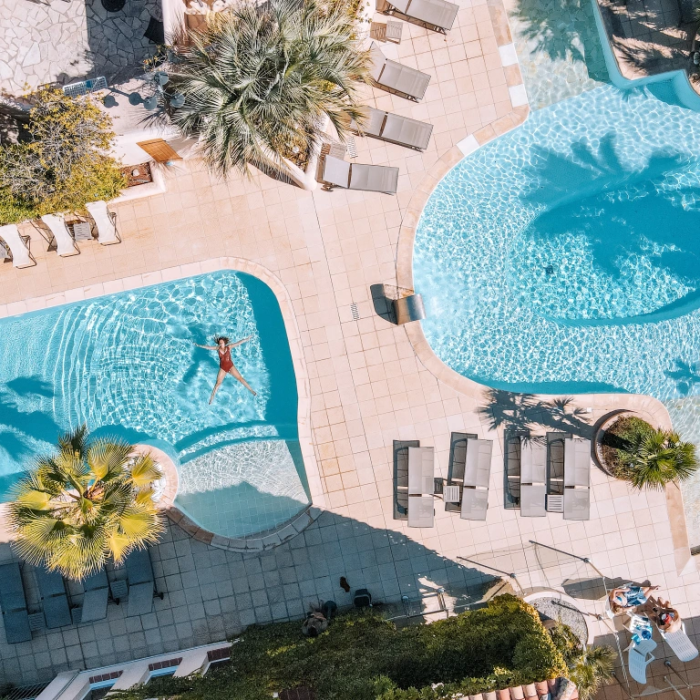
(46,41)
(368,387)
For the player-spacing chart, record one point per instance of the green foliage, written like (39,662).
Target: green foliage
(61,162)
(90,501)
(260,81)
(647,457)
(363,657)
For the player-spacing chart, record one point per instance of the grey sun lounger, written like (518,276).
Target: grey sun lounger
(577,479)
(358,176)
(436,14)
(397,129)
(54,600)
(456,465)
(13,602)
(421,486)
(96,597)
(533,474)
(477,472)
(142,583)
(395,77)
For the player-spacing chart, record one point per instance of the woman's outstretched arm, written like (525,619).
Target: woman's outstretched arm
(240,342)
(205,347)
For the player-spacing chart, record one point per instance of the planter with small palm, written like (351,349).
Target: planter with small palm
(647,457)
(90,502)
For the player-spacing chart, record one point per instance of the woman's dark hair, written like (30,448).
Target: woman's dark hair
(218,338)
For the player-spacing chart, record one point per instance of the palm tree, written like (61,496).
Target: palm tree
(652,458)
(89,502)
(591,668)
(261,82)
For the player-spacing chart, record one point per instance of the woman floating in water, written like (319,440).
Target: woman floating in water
(226,366)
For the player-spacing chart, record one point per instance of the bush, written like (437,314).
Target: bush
(61,161)
(363,657)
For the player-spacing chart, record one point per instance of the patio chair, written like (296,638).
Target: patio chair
(17,246)
(639,657)
(577,479)
(533,474)
(397,129)
(477,473)
(96,597)
(680,644)
(54,601)
(13,602)
(65,244)
(395,77)
(142,583)
(106,222)
(400,450)
(358,176)
(435,14)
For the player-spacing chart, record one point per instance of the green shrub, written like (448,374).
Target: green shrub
(363,657)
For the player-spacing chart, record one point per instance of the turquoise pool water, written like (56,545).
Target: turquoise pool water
(126,364)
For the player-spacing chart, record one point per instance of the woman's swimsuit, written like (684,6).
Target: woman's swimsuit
(225,361)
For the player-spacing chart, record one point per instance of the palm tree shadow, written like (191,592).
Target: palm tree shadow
(686,375)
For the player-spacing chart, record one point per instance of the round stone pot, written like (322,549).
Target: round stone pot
(604,425)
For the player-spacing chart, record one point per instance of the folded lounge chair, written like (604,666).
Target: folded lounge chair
(65,245)
(533,473)
(421,486)
(395,77)
(142,583)
(96,597)
(477,472)
(397,129)
(106,222)
(18,246)
(54,600)
(357,176)
(435,14)
(577,479)
(13,602)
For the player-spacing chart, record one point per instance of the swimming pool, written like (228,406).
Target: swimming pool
(126,365)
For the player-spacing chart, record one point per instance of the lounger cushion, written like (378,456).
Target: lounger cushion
(95,604)
(374,178)
(421,470)
(336,172)
(96,581)
(533,462)
(475,503)
(407,131)
(16,626)
(577,504)
(404,79)
(50,582)
(437,13)
(56,611)
(532,500)
(20,253)
(477,469)
(139,568)
(421,511)
(577,462)
(373,126)
(65,245)
(140,601)
(11,588)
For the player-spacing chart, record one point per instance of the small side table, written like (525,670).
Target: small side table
(82,231)
(36,621)
(451,494)
(120,590)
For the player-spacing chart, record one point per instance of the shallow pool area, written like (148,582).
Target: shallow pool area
(564,257)
(126,365)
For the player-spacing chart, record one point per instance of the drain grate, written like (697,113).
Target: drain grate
(355,312)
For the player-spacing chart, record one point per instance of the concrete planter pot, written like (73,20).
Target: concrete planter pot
(604,425)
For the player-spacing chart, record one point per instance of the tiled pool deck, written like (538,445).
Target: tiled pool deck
(370,382)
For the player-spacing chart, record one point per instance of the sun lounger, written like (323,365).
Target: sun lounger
(397,129)
(395,77)
(18,246)
(142,583)
(456,464)
(421,511)
(577,479)
(421,486)
(96,597)
(65,245)
(13,602)
(477,472)
(106,222)
(533,474)
(400,450)
(54,600)
(436,14)
(680,644)
(639,658)
(358,176)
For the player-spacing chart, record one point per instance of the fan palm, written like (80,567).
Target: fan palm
(260,83)
(592,668)
(90,501)
(652,458)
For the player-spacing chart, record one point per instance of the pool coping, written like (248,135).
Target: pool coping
(651,407)
(259,541)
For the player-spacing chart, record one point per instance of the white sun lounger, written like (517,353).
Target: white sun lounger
(357,176)
(477,472)
(680,644)
(21,256)
(106,222)
(639,658)
(65,245)
(533,474)
(436,14)
(421,486)
(577,479)
(397,129)
(395,77)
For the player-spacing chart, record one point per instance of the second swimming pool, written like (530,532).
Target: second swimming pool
(126,365)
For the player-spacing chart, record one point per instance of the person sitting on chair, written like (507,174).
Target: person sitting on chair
(629,596)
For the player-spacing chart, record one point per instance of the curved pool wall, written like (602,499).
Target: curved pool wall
(126,365)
